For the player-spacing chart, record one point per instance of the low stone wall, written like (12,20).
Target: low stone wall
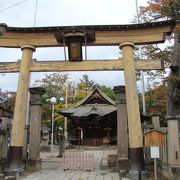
(169,172)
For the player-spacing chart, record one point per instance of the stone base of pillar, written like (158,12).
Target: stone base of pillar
(137,165)
(174,172)
(15,164)
(14,171)
(123,164)
(61,149)
(33,165)
(137,159)
(2,176)
(3,164)
(136,175)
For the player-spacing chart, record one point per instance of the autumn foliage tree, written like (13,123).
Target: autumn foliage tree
(156,98)
(157,10)
(160,10)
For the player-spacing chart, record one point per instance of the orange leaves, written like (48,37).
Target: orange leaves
(157,94)
(160,9)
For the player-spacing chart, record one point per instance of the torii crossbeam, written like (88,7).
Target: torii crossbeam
(89,65)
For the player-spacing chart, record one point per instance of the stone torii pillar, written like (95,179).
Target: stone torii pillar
(34,161)
(134,123)
(173,147)
(19,119)
(4,140)
(122,128)
(155,116)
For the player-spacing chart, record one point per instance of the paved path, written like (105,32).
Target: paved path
(59,174)
(52,168)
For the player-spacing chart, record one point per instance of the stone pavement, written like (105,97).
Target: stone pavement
(52,167)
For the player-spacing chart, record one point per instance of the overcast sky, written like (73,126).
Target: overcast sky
(65,13)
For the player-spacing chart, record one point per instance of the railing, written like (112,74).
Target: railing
(91,141)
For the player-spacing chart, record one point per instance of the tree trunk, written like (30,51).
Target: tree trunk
(173,99)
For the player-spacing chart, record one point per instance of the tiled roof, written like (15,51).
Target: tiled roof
(89,109)
(86,107)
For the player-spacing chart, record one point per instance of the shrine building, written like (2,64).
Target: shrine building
(93,119)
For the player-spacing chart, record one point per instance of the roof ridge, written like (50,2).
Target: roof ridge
(106,97)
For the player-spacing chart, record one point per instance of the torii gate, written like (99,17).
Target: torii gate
(124,36)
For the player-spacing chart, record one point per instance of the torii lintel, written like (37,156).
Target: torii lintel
(105,35)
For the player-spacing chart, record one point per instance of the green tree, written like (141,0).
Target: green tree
(86,83)
(108,91)
(80,92)
(54,85)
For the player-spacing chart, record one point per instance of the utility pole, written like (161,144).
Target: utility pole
(142,72)
(35,13)
(65,119)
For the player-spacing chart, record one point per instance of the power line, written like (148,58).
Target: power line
(14,5)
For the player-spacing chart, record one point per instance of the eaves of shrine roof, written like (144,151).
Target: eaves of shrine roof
(88,110)
(68,112)
(92,27)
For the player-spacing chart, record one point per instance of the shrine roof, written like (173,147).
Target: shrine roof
(89,109)
(95,94)
(91,27)
(96,103)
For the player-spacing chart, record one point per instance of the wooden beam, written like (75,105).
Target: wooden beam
(89,65)
(143,35)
